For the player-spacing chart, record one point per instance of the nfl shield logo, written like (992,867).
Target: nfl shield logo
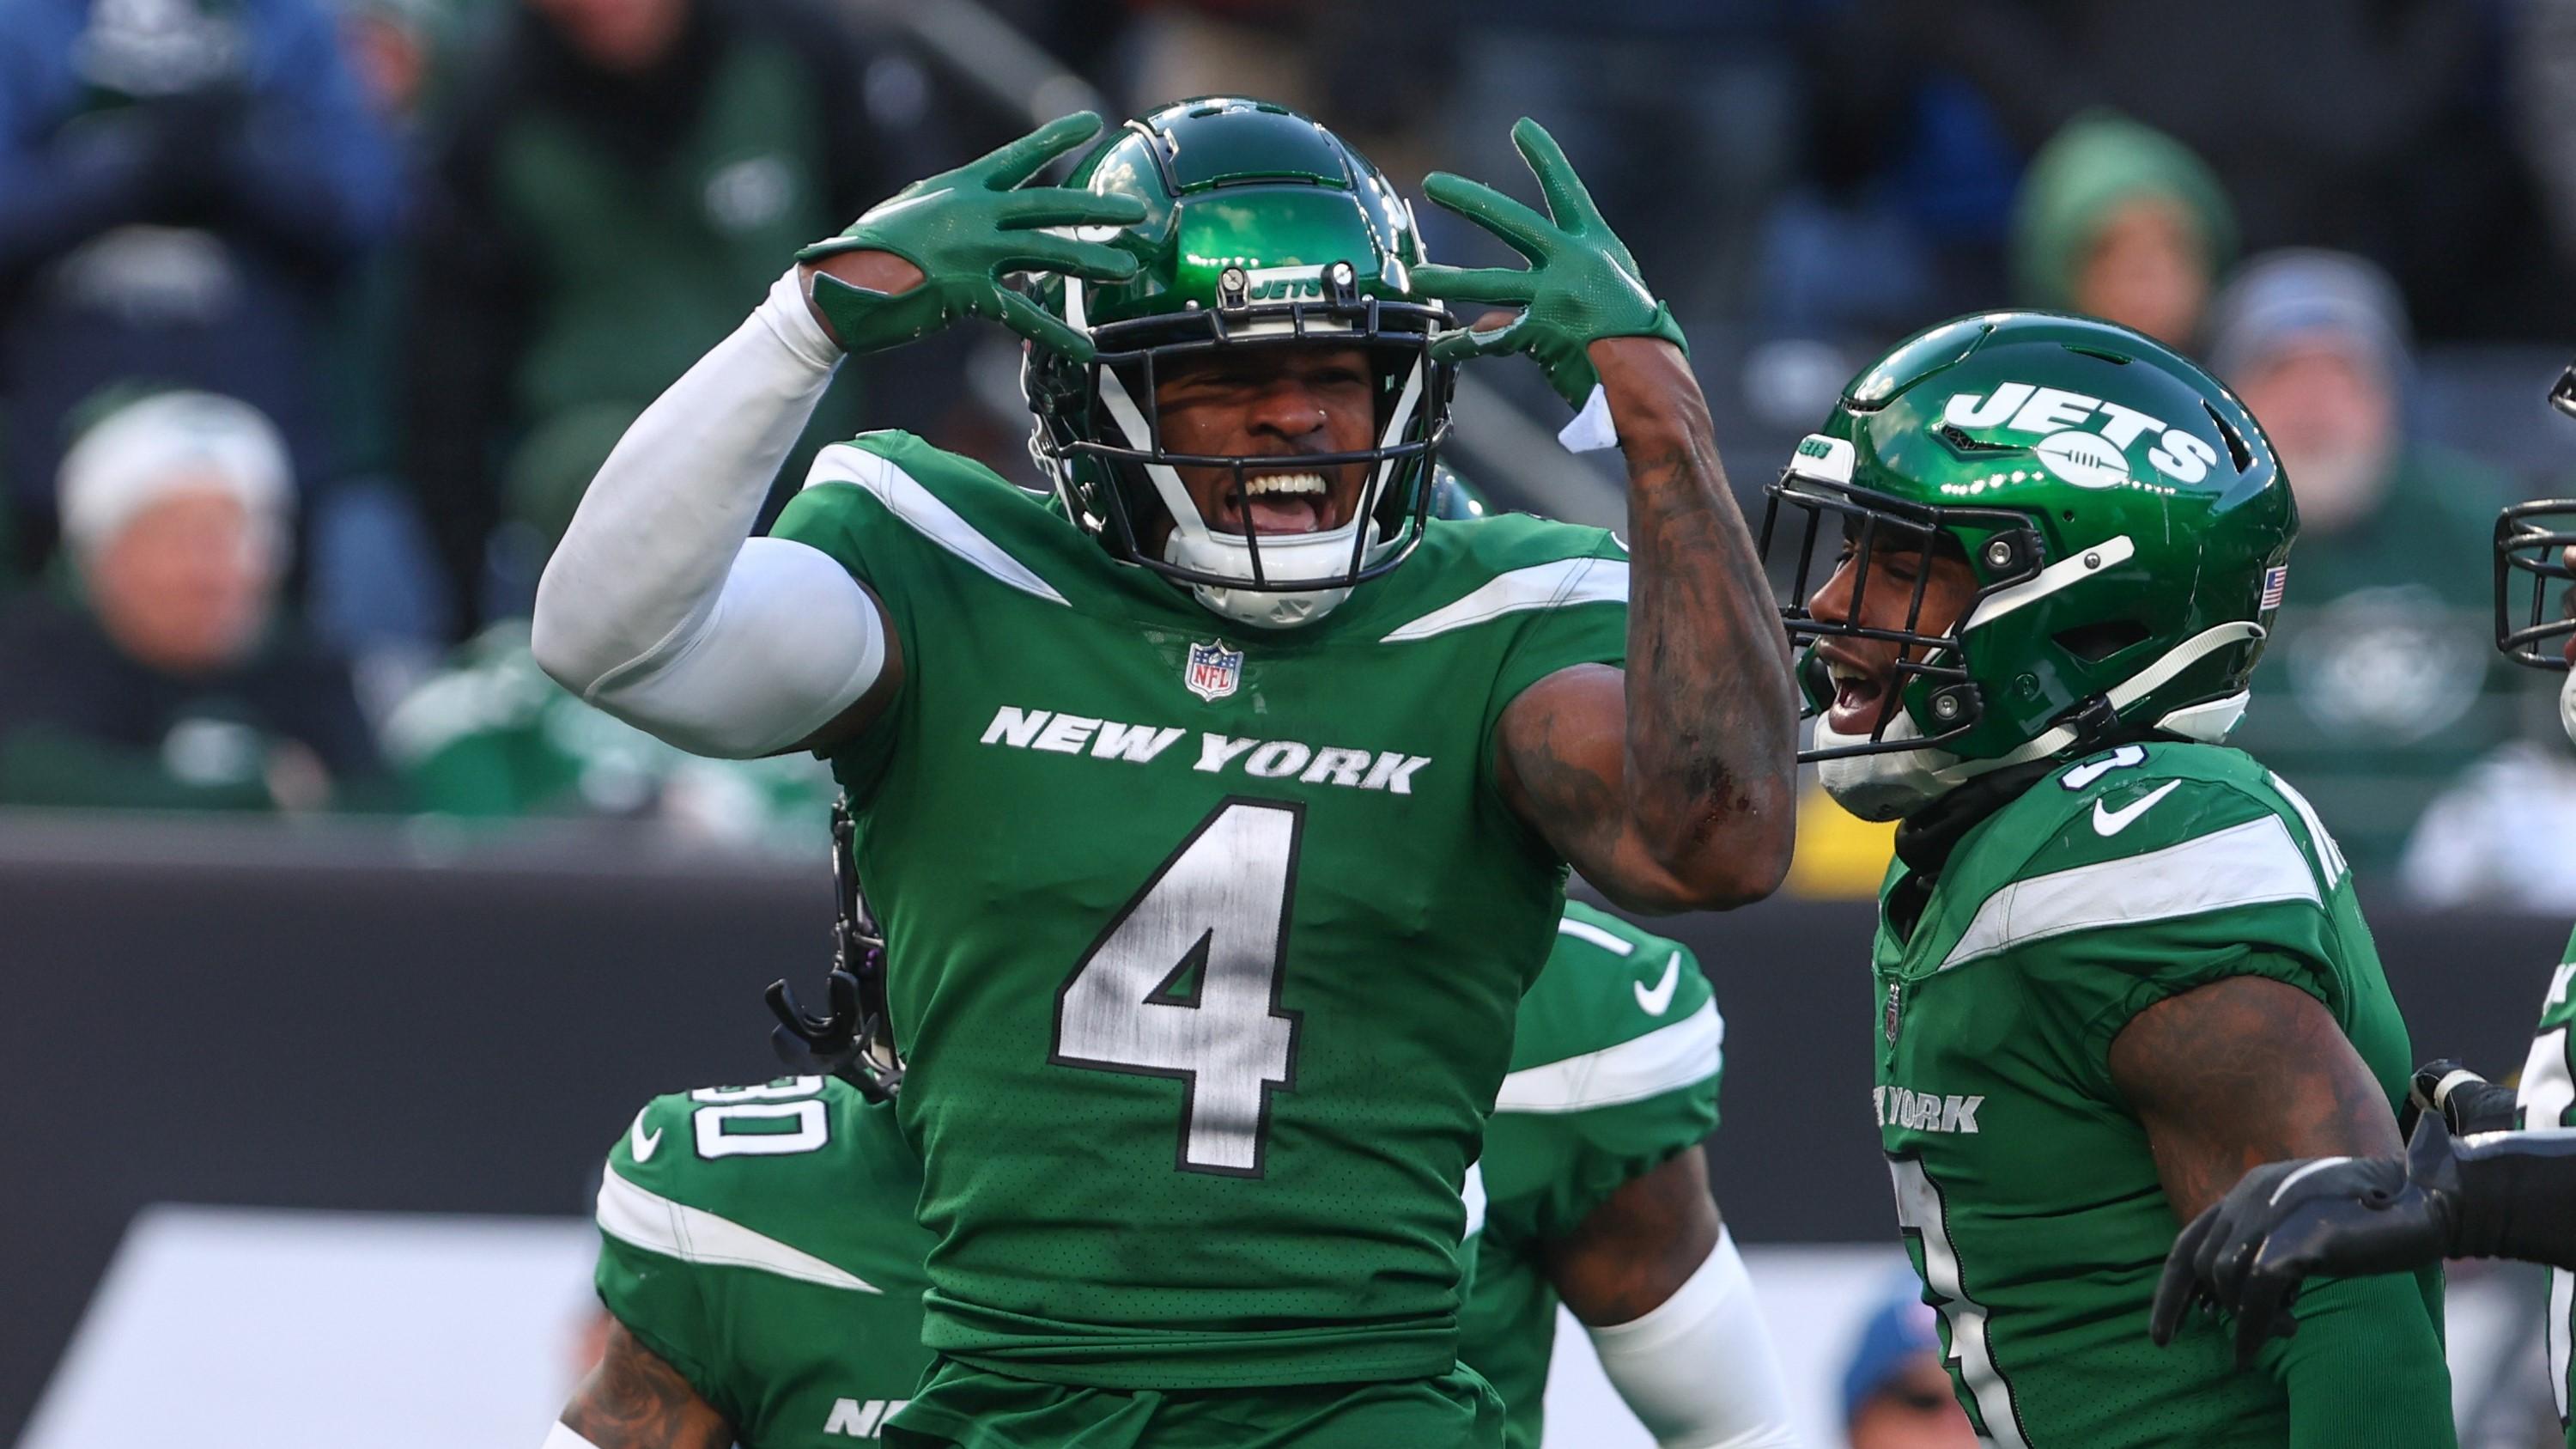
(1213,671)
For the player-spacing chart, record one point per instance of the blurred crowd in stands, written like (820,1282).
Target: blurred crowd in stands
(316,317)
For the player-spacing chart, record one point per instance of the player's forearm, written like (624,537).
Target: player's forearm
(2518,1197)
(1699,1370)
(636,1400)
(655,608)
(1711,723)
(2366,1369)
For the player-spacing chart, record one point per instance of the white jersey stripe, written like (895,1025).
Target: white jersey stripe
(692,1235)
(2547,1093)
(2243,865)
(905,498)
(1540,586)
(1663,1060)
(1615,944)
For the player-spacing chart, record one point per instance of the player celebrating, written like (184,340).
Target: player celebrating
(759,1257)
(1218,813)
(2115,961)
(2490,1194)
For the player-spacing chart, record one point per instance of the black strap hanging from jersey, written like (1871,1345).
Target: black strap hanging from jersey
(852,1038)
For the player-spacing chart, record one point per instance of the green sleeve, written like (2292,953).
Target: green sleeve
(2089,989)
(1554,639)
(1611,1147)
(2365,1370)
(659,1302)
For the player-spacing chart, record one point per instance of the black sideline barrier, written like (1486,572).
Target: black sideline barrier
(369,1017)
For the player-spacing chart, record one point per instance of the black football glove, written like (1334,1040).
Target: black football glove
(2341,1216)
(2467,1103)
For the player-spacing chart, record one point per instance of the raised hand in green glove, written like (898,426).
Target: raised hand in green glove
(1581,285)
(964,229)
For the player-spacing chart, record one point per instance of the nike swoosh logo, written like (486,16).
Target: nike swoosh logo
(643,1146)
(1660,1000)
(2112,822)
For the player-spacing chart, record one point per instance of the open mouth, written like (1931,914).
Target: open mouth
(1279,503)
(1861,696)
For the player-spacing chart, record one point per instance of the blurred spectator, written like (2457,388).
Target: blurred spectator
(621,181)
(182,182)
(376,593)
(1682,116)
(2120,221)
(2373,128)
(489,737)
(492,738)
(169,680)
(2377,687)
(1896,1391)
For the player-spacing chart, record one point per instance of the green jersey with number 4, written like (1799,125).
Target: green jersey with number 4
(2547,1098)
(2025,1188)
(1614,1072)
(760,1240)
(1205,941)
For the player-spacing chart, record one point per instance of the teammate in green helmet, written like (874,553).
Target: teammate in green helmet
(2468,1185)
(1216,814)
(2036,557)
(760,1262)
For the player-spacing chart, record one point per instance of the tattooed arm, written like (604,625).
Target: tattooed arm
(1672,788)
(2248,1070)
(634,1400)
(2239,1073)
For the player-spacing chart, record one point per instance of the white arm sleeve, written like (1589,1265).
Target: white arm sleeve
(561,1436)
(660,609)
(1698,1370)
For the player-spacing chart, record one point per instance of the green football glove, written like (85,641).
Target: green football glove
(1581,284)
(964,229)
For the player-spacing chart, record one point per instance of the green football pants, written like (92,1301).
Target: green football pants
(962,1407)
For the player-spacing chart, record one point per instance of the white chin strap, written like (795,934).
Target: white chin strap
(1895,784)
(2567,705)
(1283,555)
(1193,545)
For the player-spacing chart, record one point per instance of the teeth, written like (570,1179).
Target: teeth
(1843,674)
(1266,484)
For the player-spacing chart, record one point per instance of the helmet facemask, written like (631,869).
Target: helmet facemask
(2532,572)
(1934,686)
(1100,433)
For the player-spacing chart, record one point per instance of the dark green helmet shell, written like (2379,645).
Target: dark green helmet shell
(2127,522)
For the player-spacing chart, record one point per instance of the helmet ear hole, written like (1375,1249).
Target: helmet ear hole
(2098,641)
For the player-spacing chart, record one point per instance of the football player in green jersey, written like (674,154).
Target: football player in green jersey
(759,1258)
(2500,1194)
(1593,1192)
(1218,812)
(760,1261)
(2116,962)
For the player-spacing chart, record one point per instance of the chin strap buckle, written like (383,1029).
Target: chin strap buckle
(2093,722)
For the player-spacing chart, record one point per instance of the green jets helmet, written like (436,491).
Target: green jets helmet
(2126,521)
(1262,229)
